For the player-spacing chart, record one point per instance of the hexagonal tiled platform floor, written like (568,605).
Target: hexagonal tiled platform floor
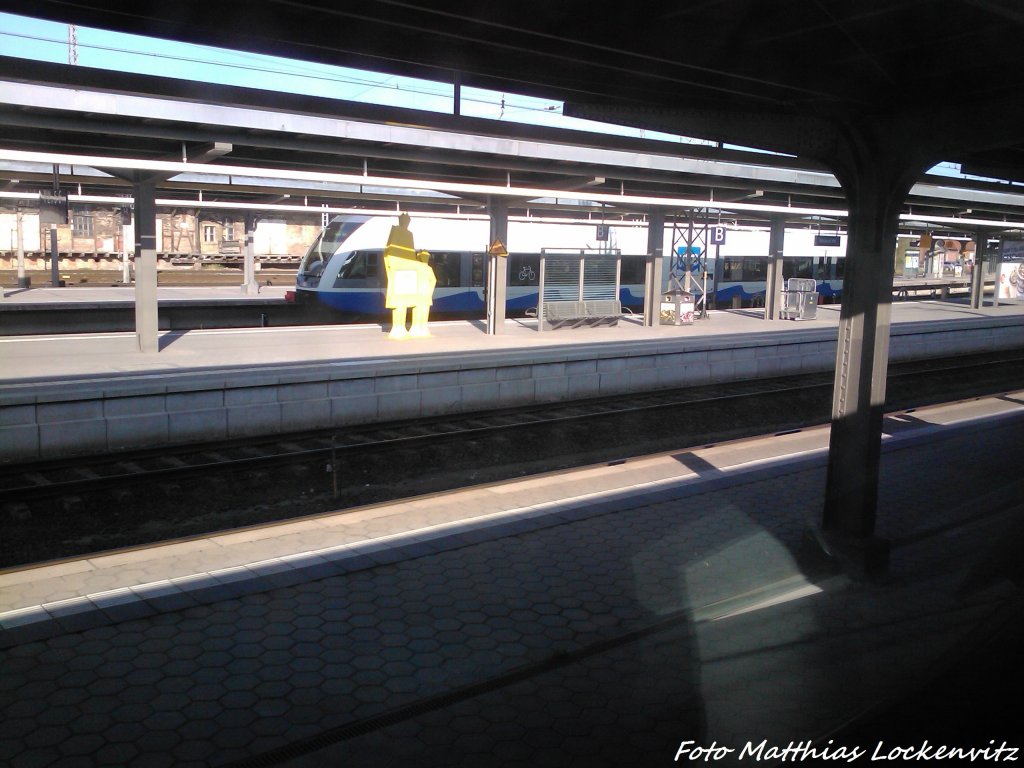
(600,634)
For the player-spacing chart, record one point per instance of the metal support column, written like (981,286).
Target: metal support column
(146,313)
(773,283)
(653,270)
(689,263)
(497,272)
(978,271)
(54,258)
(249,285)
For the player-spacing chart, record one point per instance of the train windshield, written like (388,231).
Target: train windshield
(325,245)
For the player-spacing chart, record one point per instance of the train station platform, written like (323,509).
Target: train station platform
(604,616)
(74,394)
(96,309)
(100,309)
(78,297)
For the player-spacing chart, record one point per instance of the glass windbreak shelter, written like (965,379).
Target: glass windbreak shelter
(578,286)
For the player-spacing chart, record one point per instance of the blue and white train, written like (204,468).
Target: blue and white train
(343,268)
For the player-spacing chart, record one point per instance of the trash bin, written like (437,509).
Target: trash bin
(800,299)
(677,308)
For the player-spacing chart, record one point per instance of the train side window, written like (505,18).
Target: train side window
(732,270)
(478,272)
(804,267)
(788,269)
(361,265)
(446,268)
(524,269)
(354,267)
(633,270)
(755,270)
(840,268)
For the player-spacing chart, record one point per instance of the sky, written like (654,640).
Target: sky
(48,41)
(25,37)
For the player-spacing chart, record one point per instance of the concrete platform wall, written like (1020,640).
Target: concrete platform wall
(131,411)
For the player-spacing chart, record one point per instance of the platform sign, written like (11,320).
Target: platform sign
(53,208)
(1011,250)
(830,241)
(602,232)
(716,235)
(497,248)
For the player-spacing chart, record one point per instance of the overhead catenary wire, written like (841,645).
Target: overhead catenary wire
(297,69)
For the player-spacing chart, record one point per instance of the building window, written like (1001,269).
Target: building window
(82,225)
(209,233)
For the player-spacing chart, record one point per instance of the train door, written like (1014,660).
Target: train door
(474,278)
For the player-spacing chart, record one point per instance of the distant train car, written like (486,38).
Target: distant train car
(739,277)
(344,269)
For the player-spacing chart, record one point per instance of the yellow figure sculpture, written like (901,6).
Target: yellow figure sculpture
(410,282)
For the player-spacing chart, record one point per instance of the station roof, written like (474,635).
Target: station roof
(949,65)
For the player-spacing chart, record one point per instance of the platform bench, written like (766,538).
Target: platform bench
(558,314)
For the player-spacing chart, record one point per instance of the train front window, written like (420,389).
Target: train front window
(313,263)
(337,232)
(323,247)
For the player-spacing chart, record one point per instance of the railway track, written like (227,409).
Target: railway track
(70,507)
(48,479)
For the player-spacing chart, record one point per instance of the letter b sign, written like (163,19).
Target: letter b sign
(717,236)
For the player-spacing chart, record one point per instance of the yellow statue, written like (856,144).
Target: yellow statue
(410,282)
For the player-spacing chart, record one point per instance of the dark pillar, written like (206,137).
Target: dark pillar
(54,258)
(146,319)
(978,271)
(653,271)
(875,187)
(497,273)
(773,284)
